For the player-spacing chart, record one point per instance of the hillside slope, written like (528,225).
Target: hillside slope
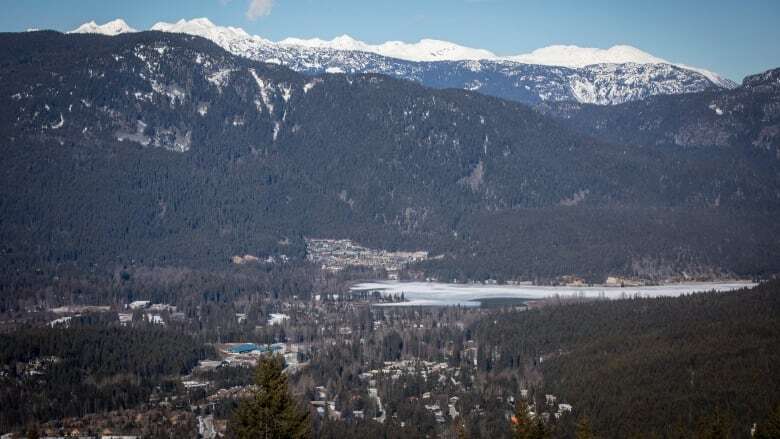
(158,148)
(747,117)
(669,367)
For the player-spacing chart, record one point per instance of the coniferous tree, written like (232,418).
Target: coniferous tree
(539,430)
(583,430)
(522,425)
(460,429)
(769,429)
(716,426)
(271,412)
(32,432)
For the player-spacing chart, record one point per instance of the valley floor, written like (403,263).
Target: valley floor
(365,369)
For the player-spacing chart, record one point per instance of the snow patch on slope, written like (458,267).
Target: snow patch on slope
(266,88)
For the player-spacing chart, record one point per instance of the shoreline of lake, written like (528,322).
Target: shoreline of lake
(447,294)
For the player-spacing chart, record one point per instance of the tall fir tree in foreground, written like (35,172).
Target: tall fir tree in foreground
(271,412)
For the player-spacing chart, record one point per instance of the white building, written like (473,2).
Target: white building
(62,321)
(139,304)
(278,319)
(291,358)
(155,318)
(125,318)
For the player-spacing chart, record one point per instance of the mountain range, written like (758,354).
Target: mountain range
(158,148)
(745,117)
(556,73)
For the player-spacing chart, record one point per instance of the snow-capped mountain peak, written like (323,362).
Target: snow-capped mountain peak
(605,76)
(423,50)
(343,42)
(113,27)
(203,27)
(576,57)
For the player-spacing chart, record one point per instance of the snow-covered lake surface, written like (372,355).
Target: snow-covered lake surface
(443,294)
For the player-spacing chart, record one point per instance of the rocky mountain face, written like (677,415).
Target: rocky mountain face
(166,149)
(746,117)
(557,73)
(601,84)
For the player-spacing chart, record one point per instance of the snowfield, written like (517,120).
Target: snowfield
(352,52)
(443,294)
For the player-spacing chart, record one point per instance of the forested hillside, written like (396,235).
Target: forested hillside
(669,367)
(88,368)
(163,149)
(746,118)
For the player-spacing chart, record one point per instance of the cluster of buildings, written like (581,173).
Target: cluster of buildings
(551,407)
(152,312)
(616,281)
(70,311)
(437,411)
(234,393)
(440,372)
(327,407)
(249,259)
(336,254)
(248,354)
(80,309)
(34,367)
(612,281)
(425,369)
(240,355)
(277,319)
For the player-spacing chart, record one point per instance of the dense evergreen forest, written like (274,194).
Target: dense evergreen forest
(189,289)
(667,367)
(156,149)
(673,367)
(135,167)
(88,367)
(745,119)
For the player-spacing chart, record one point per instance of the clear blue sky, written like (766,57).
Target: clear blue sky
(731,37)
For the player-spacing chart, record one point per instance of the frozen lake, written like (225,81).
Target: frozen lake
(443,294)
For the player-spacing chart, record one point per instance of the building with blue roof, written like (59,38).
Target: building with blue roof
(245,348)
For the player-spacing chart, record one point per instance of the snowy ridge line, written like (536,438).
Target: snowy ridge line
(424,50)
(113,27)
